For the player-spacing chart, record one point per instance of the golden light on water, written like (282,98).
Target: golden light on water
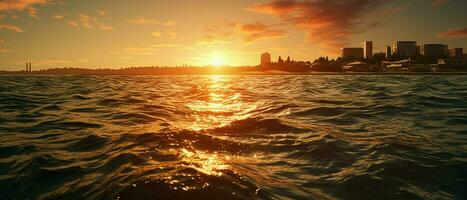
(221,105)
(206,163)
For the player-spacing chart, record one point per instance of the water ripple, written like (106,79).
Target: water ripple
(233,137)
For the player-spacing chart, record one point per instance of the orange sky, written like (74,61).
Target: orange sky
(120,33)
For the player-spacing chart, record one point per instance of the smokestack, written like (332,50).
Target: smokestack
(30,67)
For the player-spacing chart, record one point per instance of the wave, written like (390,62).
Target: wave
(233,137)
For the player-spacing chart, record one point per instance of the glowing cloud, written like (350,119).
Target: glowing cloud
(454,33)
(329,23)
(11,28)
(146,21)
(259,31)
(6,5)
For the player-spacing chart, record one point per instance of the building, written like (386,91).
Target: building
(404,49)
(456,53)
(434,50)
(388,52)
(368,49)
(352,52)
(265,59)
(28,67)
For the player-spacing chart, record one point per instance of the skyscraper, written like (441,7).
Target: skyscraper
(456,53)
(388,52)
(404,49)
(368,49)
(265,59)
(28,67)
(434,50)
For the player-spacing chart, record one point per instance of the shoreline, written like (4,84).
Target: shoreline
(246,73)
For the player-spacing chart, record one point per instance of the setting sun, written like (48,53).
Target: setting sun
(222,99)
(218,59)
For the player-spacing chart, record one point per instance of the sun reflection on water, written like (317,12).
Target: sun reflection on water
(207,163)
(222,104)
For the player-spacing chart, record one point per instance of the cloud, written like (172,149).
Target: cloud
(11,28)
(438,2)
(258,31)
(83,21)
(393,10)
(211,40)
(328,23)
(146,50)
(248,32)
(102,12)
(146,21)
(454,33)
(4,50)
(171,33)
(58,16)
(156,33)
(164,45)
(21,5)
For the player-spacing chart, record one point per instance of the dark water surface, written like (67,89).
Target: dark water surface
(233,137)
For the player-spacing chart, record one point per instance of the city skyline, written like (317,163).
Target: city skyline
(101,35)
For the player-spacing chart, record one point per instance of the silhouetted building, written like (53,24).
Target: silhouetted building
(388,52)
(265,59)
(28,67)
(280,61)
(434,50)
(404,49)
(456,53)
(368,49)
(352,52)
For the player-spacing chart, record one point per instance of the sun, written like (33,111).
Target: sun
(218,59)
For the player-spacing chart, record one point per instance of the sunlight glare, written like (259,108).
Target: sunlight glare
(218,59)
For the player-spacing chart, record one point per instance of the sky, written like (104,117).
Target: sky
(124,33)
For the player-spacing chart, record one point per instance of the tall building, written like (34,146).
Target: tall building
(404,49)
(434,50)
(28,67)
(456,53)
(352,52)
(368,49)
(388,52)
(265,59)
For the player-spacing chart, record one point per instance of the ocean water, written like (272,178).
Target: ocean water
(233,137)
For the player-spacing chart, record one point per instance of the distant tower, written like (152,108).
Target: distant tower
(27,67)
(388,52)
(368,49)
(288,59)
(265,59)
(280,61)
(30,67)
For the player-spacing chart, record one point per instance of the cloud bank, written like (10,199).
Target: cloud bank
(328,23)
(454,33)
(9,5)
(147,21)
